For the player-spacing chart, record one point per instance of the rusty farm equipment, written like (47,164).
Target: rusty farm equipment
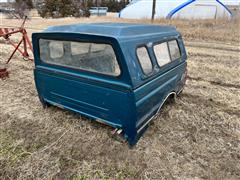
(23,46)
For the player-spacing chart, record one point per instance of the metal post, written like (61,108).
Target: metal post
(97,7)
(20,42)
(153,9)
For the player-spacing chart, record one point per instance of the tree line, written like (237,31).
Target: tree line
(66,8)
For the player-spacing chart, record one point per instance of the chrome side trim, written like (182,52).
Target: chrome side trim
(180,91)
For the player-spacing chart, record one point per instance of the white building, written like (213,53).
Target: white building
(183,9)
(231,2)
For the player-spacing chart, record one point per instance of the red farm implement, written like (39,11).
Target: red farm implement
(23,46)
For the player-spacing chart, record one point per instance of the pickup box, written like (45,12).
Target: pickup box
(119,74)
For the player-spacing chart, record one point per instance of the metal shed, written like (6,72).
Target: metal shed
(182,9)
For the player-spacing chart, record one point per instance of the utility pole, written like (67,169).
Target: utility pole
(153,9)
(97,5)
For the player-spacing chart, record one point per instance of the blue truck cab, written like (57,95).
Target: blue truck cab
(119,74)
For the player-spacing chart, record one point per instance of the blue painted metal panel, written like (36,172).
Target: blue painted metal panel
(115,30)
(150,96)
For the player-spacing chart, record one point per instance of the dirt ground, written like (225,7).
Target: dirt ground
(198,137)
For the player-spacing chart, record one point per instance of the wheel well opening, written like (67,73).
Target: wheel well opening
(170,98)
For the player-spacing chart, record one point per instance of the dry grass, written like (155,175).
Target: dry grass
(196,138)
(214,30)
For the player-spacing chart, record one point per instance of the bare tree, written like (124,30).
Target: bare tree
(22,7)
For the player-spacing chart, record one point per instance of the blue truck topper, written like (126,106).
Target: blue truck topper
(128,101)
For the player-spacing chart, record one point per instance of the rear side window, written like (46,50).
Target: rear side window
(174,50)
(144,60)
(91,57)
(162,54)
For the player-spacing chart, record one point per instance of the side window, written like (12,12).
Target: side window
(87,56)
(174,50)
(144,60)
(162,54)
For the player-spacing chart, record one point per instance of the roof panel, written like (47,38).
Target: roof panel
(117,30)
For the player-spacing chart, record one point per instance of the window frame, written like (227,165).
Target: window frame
(169,53)
(139,62)
(79,69)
